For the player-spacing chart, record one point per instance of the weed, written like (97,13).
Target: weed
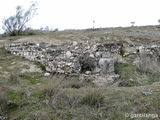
(13,80)
(4,52)
(149,63)
(147,92)
(49,92)
(3,103)
(127,74)
(72,84)
(93,98)
(38,115)
(53,46)
(26,67)
(43,68)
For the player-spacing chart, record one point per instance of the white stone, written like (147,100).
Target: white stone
(59,70)
(88,72)
(94,48)
(69,64)
(141,48)
(46,74)
(91,55)
(134,52)
(13,63)
(68,54)
(42,56)
(88,47)
(76,47)
(74,43)
(126,54)
(154,46)
(136,63)
(98,54)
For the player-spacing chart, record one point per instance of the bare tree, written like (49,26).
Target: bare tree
(14,25)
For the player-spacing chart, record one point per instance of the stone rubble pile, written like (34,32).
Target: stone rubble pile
(82,58)
(89,61)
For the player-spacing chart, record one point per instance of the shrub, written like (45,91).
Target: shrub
(93,98)
(13,80)
(50,92)
(3,102)
(149,64)
(87,63)
(43,68)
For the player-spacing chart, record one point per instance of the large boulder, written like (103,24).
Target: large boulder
(107,65)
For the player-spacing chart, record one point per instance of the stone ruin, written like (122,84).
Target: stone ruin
(89,61)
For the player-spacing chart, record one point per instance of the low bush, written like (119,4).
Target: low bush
(13,80)
(3,102)
(87,63)
(93,98)
(48,93)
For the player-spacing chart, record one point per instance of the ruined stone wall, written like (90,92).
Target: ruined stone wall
(64,59)
(78,58)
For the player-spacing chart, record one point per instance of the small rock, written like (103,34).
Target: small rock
(126,54)
(88,72)
(59,70)
(13,63)
(141,48)
(106,54)
(98,54)
(107,65)
(94,48)
(91,55)
(76,48)
(46,74)
(88,47)
(134,52)
(68,54)
(69,64)
(154,46)
(37,45)
(74,43)
(96,70)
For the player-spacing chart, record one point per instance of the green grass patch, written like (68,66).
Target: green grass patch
(43,68)
(32,78)
(26,66)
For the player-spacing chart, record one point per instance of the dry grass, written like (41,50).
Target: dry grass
(13,80)
(3,102)
(149,63)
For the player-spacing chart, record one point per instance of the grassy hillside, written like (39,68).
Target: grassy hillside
(26,94)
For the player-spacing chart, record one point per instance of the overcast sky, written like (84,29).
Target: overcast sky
(79,14)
